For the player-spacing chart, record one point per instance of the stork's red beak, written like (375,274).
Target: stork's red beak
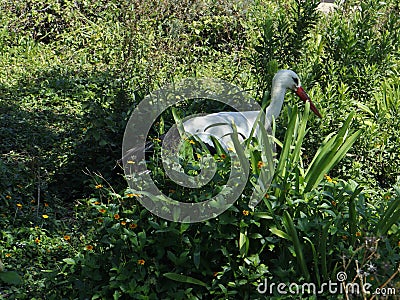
(303,96)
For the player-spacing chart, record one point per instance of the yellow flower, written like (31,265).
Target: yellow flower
(67,237)
(116,216)
(192,142)
(102,210)
(46,204)
(123,223)
(8,254)
(358,233)
(230,149)
(132,226)
(329,179)
(131,195)
(131,162)
(246,212)
(33,201)
(223,156)
(157,140)
(89,247)
(141,261)
(45,216)
(8,197)
(96,203)
(266,196)
(19,205)
(333,203)
(99,186)
(260,164)
(37,241)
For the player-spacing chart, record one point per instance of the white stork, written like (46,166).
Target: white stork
(204,126)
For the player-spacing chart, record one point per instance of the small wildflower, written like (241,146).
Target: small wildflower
(8,197)
(358,233)
(100,220)
(141,261)
(98,186)
(89,247)
(116,216)
(230,149)
(333,203)
(266,196)
(102,210)
(123,223)
(387,196)
(246,212)
(344,237)
(215,274)
(84,129)
(328,178)
(67,237)
(96,203)
(131,162)
(19,205)
(45,216)
(157,140)
(260,164)
(192,142)
(132,226)
(46,204)
(223,156)
(37,241)
(33,201)
(8,254)
(198,155)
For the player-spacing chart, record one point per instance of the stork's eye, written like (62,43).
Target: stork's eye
(296,80)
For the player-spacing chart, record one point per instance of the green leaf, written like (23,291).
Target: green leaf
(69,261)
(184,278)
(10,277)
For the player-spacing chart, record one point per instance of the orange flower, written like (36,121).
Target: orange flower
(100,220)
(246,212)
(223,156)
(98,186)
(132,226)
(260,164)
(37,241)
(266,196)
(89,247)
(358,233)
(102,210)
(8,254)
(46,204)
(96,203)
(19,205)
(141,261)
(67,237)
(333,203)
(116,216)
(123,223)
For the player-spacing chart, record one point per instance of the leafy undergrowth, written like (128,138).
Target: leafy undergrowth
(72,73)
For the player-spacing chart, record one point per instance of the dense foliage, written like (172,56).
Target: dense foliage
(71,74)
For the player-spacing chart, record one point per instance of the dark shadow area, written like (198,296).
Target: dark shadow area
(56,127)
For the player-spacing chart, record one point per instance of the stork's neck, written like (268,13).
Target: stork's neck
(277,97)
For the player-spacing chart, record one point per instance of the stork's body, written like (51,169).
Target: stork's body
(219,124)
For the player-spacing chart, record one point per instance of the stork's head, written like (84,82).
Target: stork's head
(290,80)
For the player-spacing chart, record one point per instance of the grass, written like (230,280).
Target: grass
(71,75)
